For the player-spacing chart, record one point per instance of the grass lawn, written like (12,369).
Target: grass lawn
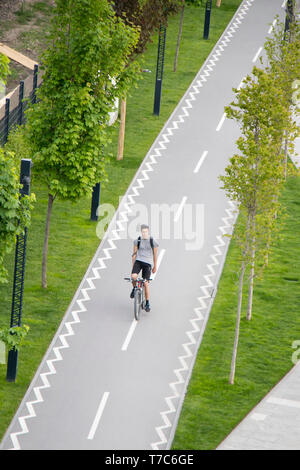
(212,407)
(73,238)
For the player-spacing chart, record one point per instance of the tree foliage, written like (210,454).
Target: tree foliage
(88,46)
(14,337)
(14,212)
(85,69)
(4,71)
(254,178)
(146,15)
(283,61)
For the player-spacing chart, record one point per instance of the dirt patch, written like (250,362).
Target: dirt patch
(24,26)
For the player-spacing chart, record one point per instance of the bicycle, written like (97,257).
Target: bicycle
(139,301)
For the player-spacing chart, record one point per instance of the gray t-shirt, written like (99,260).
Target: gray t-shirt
(145,252)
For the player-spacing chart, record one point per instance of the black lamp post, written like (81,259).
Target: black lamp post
(95,201)
(19,271)
(290,15)
(207,19)
(159,68)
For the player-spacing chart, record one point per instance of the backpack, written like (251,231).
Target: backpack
(139,242)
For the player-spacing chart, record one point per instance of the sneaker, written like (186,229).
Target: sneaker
(147,306)
(132,293)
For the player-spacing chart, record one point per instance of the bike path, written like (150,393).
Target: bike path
(99,386)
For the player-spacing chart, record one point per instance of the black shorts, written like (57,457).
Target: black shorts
(145,267)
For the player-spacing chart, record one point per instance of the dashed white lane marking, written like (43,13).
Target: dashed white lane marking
(134,323)
(179,210)
(284,401)
(98,415)
(202,158)
(221,122)
(257,55)
(219,126)
(272,26)
(129,335)
(159,258)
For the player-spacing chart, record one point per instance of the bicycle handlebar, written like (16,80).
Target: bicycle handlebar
(139,279)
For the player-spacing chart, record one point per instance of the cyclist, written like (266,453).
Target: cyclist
(143,257)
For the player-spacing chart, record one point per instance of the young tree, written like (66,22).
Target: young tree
(183,4)
(146,15)
(179,36)
(88,46)
(254,179)
(283,61)
(262,113)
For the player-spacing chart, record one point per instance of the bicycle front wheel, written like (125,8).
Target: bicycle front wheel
(137,304)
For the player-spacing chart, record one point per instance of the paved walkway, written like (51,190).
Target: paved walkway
(106,381)
(274,424)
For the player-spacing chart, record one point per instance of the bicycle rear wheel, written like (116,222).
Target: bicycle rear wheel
(137,304)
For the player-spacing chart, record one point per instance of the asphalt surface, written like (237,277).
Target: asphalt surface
(107,382)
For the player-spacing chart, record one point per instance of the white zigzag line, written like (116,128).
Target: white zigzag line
(211,64)
(85,298)
(199,316)
(195,331)
(161,143)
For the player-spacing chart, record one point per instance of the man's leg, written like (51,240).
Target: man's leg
(147,290)
(146,275)
(134,277)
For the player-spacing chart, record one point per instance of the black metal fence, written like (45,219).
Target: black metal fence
(14,115)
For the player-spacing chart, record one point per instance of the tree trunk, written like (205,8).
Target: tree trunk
(237,327)
(251,284)
(252,271)
(219,3)
(122,130)
(286,141)
(239,307)
(46,238)
(179,36)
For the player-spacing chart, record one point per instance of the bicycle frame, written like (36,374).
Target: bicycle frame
(139,288)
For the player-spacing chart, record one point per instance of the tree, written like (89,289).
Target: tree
(88,46)
(254,178)
(179,36)
(283,60)
(147,16)
(183,3)
(14,211)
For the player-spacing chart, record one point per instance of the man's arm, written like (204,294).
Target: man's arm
(135,249)
(154,259)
